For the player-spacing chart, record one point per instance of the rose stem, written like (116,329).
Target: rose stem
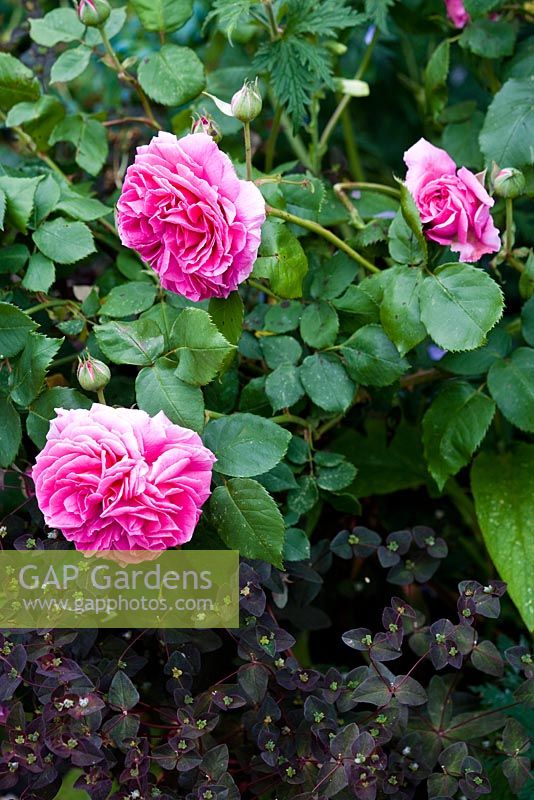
(326,234)
(248,150)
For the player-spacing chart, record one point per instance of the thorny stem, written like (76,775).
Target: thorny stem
(390,191)
(124,120)
(509,235)
(248,150)
(325,233)
(122,73)
(46,304)
(261,288)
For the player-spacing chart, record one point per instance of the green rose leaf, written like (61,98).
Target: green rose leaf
(319,325)
(278,350)
(29,372)
(436,74)
(337,477)
(453,428)
(247,519)
(15,326)
(283,317)
(14,257)
(59,25)
(400,313)
(508,131)
(459,306)
(158,388)
(296,545)
(89,138)
(333,277)
(80,207)
(17,83)
(38,120)
(245,444)
(489,38)
(20,195)
(327,383)
(412,218)
(477,362)
(503,487)
(404,247)
(139,342)
(511,384)
(527,321)
(201,347)
(131,298)
(63,241)
(45,201)
(40,274)
(163,15)
(281,259)
(228,314)
(283,387)
(70,64)
(10,433)
(172,75)
(43,410)
(371,358)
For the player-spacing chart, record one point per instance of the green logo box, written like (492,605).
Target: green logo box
(112,589)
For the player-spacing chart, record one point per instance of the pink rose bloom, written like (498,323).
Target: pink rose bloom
(453,204)
(117,479)
(186,212)
(457,13)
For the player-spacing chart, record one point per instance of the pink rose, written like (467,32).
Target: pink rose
(117,479)
(457,13)
(453,204)
(186,212)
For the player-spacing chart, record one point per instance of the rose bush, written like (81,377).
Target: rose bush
(267,285)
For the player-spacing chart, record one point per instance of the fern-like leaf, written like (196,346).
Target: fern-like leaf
(296,68)
(321,17)
(377,11)
(229,13)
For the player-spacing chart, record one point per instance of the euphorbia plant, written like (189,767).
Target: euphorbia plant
(289,244)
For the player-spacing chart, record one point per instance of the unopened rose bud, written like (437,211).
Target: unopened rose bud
(509,183)
(246,104)
(92,374)
(206,125)
(93,13)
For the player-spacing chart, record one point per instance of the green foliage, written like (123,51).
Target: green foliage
(509,125)
(502,487)
(459,306)
(172,76)
(246,445)
(163,15)
(200,346)
(298,65)
(247,519)
(453,427)
(281,260)
(320,384)
(17,83)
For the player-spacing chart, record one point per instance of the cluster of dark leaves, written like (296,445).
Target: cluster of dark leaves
(271,727)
